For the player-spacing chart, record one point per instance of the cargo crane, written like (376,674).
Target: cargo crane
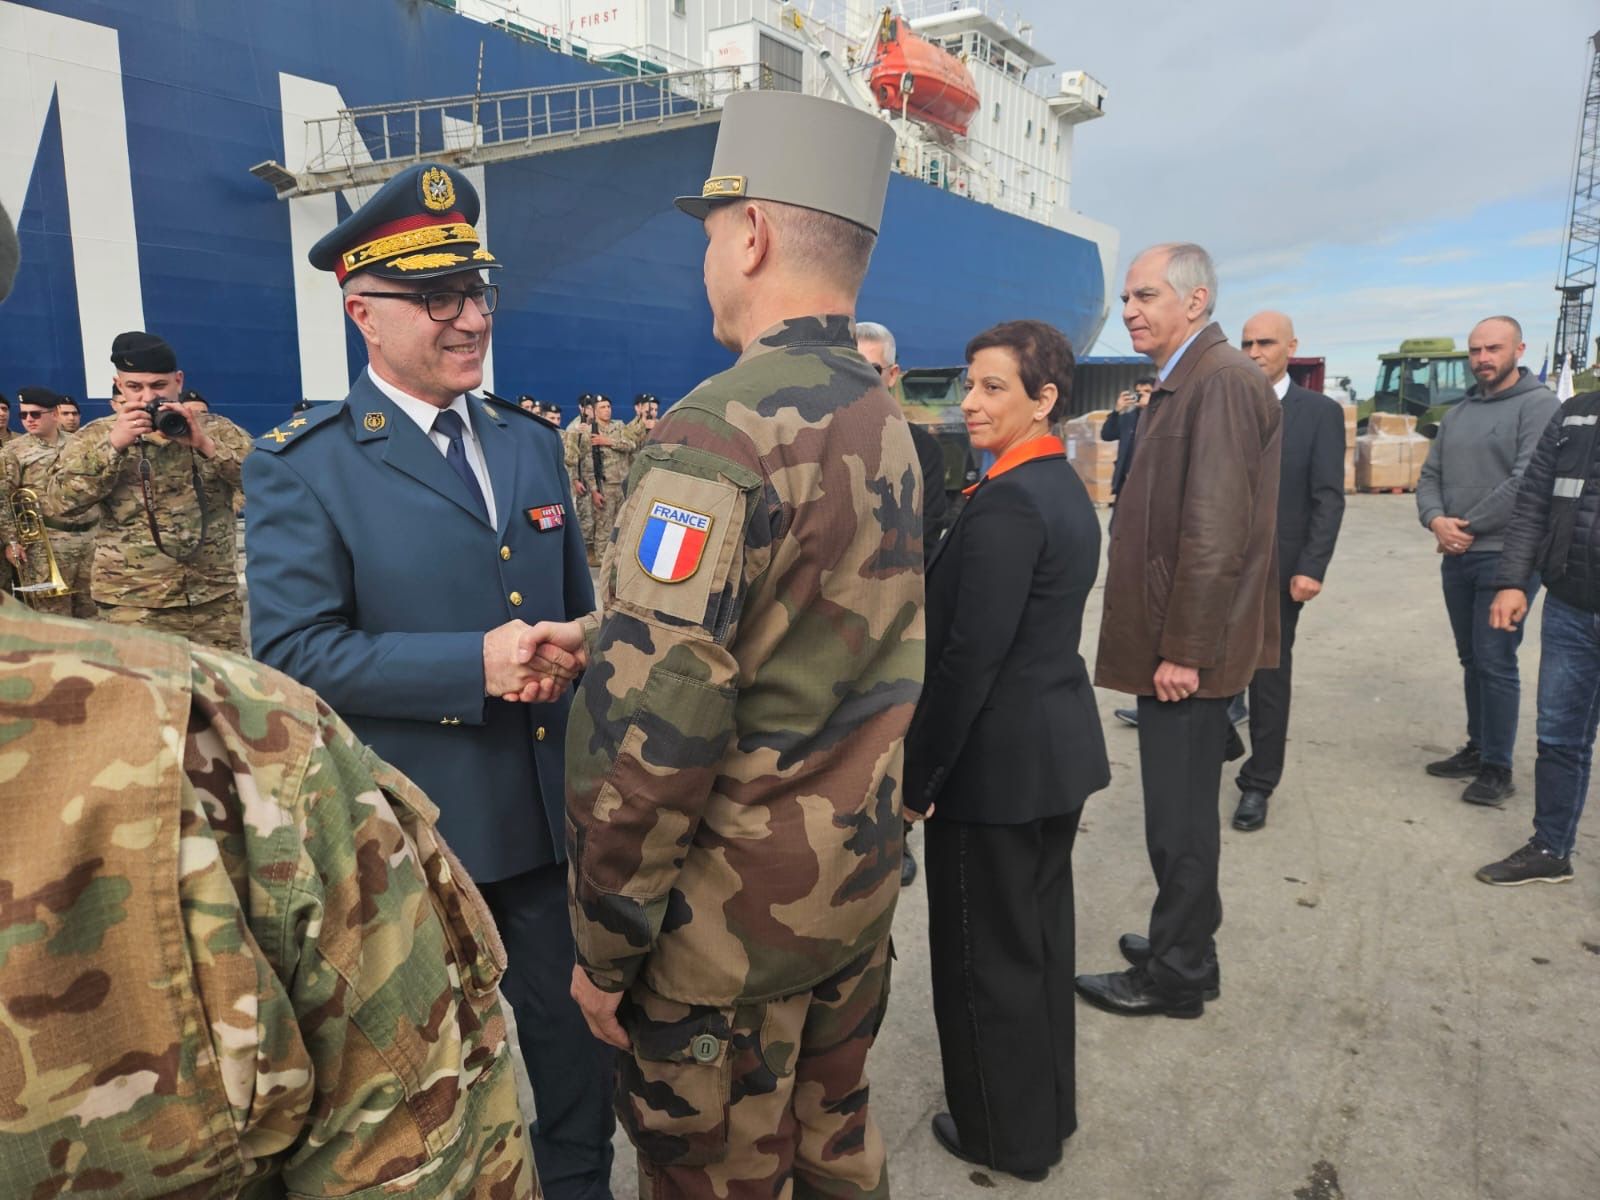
(1581,251)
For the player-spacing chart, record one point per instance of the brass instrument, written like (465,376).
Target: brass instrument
(29,520)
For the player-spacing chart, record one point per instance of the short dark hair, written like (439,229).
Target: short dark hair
(1043,354)
(1145,379)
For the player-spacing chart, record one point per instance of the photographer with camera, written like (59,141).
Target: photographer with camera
(166,548)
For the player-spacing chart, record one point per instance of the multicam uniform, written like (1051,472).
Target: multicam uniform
(242,958)
(604,470)
(734,761)
(191,585)
(579,456)
(71,540)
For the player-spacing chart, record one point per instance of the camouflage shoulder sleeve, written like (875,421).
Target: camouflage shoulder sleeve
(655,712)
(84,473)
(10,479)
(232,445)
(369,923)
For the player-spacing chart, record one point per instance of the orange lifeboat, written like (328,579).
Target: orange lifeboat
(915,77)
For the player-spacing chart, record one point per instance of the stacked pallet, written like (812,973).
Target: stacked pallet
(1389,456)
(1093,459)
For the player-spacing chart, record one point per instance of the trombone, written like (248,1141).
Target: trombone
(28,518)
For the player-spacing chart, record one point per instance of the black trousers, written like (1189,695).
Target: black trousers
(571,1072)
(1000,936)
(1181,745)
(1269,708)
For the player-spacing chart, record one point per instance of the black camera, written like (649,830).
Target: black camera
(166,421)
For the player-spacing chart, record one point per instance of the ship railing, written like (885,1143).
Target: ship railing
(366,145)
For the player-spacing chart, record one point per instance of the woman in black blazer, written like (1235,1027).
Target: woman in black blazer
(1003,749)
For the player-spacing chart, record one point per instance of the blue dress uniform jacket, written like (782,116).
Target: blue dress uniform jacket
(373,577)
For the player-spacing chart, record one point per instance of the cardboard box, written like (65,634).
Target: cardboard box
(1093,459)
(1388,461)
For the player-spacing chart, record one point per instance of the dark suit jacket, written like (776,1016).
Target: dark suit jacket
(935,502)
(373,577)
(1121,428)
(1007,730)
(1311,488)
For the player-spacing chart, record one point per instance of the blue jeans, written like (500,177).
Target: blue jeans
(1569,710)
(1488,656)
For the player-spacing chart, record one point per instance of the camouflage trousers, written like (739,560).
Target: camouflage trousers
(759,1100)
(75,560)
(595,524)
(215,623)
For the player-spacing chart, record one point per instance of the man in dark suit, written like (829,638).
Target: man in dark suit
(1310,508)
(1190,610)
(395,544)
(1122,427)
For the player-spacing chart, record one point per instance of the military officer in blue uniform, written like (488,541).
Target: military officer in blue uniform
(399,548)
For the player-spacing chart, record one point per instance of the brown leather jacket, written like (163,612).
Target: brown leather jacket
(1193,570)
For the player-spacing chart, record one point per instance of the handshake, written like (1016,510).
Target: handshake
(533,664)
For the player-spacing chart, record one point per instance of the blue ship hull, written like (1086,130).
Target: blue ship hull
(602,287)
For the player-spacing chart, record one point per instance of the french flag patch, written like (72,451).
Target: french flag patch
(672,542)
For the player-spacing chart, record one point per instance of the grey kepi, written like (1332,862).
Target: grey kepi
(800,150)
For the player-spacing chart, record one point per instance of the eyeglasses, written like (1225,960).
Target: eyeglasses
(446,306)
(31,414)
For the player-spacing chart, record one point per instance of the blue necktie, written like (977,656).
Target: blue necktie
(449,423)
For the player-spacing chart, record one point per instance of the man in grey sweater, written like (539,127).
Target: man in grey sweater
(1465,498)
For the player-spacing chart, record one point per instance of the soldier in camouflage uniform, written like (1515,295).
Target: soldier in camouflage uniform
(71,542)
(241,960)
(607,457)
(734,754)
(165,557)
(580,468)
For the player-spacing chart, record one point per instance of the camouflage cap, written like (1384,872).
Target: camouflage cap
(800,150)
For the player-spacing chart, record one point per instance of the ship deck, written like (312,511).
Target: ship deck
(1389,1027)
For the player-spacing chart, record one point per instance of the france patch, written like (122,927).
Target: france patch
(672,542)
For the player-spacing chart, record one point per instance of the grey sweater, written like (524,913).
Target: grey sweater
(1475,464)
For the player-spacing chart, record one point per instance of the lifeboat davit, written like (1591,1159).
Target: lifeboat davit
(915,77)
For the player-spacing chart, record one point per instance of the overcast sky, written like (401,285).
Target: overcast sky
(1379,170)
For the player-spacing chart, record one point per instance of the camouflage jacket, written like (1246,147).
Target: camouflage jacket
(234,956)
(34,458)
(10,481)
(613,460)
(734,753)
(128,568)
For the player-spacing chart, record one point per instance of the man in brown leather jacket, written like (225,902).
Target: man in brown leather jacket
(1191,609)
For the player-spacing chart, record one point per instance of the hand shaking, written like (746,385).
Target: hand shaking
(533,664)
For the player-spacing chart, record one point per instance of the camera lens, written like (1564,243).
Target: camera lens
(170,424)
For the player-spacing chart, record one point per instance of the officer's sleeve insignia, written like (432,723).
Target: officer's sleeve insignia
(679,543)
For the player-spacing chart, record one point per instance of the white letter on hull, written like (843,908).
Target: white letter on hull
(46,58)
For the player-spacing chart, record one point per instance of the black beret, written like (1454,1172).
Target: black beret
(645,398)
(598,397)
(42,397)
(419,225)
(138,351)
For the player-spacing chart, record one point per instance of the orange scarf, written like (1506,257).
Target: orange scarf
(1039,447)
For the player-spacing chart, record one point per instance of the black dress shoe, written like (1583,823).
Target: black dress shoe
(1128,716)
(908,867)
(1252,810)
(1132,993)
(1135,948)
(944,1132)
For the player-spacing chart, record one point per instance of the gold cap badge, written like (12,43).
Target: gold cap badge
(721,186)
(438,193)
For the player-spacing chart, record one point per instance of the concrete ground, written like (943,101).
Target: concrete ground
(1389,1028)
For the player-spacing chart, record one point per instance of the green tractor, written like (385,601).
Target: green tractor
(1421,379)
(931,397)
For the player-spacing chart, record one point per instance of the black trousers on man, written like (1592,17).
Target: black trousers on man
(1269,708)
(571,1071)
(1181,747)
(1001,943)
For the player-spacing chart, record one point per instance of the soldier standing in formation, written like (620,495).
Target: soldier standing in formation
(579,459)
(165,553)
(735,749)
(646,410)
(71,541)
(608,456)
(68,415)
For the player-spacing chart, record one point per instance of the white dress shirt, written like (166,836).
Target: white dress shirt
(1282,387)
(424,415)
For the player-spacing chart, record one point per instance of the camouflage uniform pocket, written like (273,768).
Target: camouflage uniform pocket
(674,1089)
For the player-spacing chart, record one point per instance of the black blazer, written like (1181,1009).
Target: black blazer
(1121,428)
(1311,488)
(1007,730)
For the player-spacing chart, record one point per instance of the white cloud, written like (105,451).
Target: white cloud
(1541,237)
(1437,257)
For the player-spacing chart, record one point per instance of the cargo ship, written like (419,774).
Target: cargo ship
(169,162)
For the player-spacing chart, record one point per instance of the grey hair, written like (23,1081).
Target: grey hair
(871,331)
(1189,267)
